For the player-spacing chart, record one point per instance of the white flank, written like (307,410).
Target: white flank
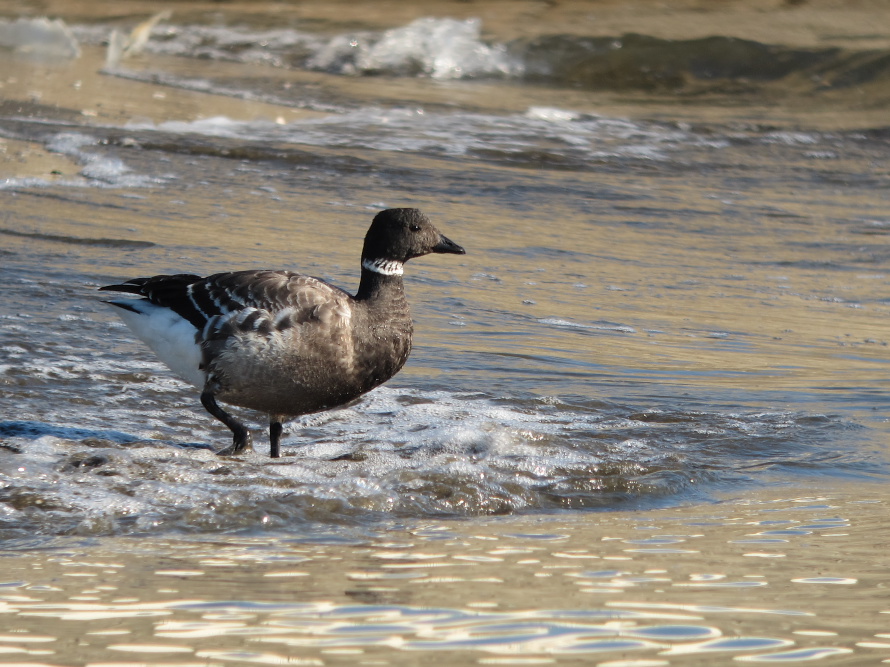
(387,267)
(170,336)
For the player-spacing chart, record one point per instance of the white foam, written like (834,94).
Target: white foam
(39,38)
(416,452)
(559,322)
(416,130)
(439,48)
(552,114)
(98,169)
(791,138)
(216,126)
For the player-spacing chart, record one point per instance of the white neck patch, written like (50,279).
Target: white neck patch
(385,267)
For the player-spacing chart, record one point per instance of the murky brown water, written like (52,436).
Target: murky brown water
(663,358)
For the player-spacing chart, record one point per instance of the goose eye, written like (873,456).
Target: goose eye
(414,227)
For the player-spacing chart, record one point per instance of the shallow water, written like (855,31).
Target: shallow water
(757,579)
(665,347)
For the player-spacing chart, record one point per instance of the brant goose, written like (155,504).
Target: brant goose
(282,342)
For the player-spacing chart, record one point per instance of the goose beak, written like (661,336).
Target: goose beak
(446,245)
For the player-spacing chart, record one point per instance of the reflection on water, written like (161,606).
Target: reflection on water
(601,588)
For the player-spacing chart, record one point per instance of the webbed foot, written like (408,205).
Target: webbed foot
(241,441)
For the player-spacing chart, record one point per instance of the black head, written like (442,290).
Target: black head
(399,234)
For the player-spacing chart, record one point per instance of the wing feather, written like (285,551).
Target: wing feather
(244,300)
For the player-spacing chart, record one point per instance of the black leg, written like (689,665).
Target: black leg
(275,429)
(241,439)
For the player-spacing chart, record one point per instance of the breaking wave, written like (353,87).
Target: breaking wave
(444,48)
